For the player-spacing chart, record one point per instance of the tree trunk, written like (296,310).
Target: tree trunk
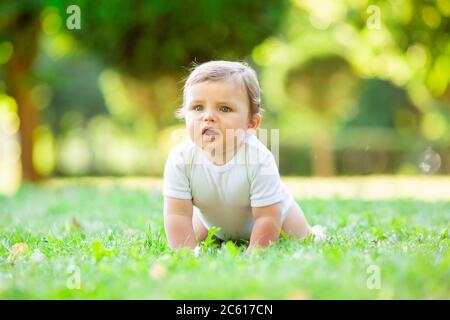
(322,155)
(24,38)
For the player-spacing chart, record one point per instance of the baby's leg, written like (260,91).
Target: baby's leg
(295,224)
(199,229)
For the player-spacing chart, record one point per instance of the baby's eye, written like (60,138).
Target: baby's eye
(197,108)
(224,109)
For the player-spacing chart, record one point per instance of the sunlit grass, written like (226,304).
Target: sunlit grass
(374,187)
(110,234)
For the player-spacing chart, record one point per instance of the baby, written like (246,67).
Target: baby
(223,176)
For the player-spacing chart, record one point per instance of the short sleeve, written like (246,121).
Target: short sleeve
(176,182)
(265,186)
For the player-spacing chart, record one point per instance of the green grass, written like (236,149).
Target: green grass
(117,246)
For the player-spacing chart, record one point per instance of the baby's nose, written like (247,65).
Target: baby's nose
(209,116)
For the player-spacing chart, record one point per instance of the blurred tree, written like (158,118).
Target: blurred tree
(144,39)
(153,38)
(326,83)
(19,25)
(406,44)
(381,110)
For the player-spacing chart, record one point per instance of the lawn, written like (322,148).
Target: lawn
(107,242)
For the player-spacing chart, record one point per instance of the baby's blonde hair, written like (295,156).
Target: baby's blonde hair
(224,70)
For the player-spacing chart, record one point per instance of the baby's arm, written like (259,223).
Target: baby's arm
(178,223)
(267,226)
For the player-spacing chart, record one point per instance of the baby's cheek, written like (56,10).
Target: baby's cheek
(190,129)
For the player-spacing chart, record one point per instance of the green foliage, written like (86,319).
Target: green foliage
(210,242)
(153,38)
(380,110)
(99,252)
(331,71)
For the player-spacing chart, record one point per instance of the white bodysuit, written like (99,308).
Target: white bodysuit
(223,196)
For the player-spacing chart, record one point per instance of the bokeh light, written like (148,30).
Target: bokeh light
(10,172)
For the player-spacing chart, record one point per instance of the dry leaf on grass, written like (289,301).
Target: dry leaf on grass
(76,224)
(157,271)
(16,250)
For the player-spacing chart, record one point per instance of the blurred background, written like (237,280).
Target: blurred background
(355,87)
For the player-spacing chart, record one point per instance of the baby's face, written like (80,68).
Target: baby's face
(217,114)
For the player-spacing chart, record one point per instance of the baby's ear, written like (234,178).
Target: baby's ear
(254,121)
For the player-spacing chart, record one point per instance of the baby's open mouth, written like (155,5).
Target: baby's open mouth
(209,132)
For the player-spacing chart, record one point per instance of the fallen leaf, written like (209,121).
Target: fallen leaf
(16,250)
(76,224)
(158,271)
